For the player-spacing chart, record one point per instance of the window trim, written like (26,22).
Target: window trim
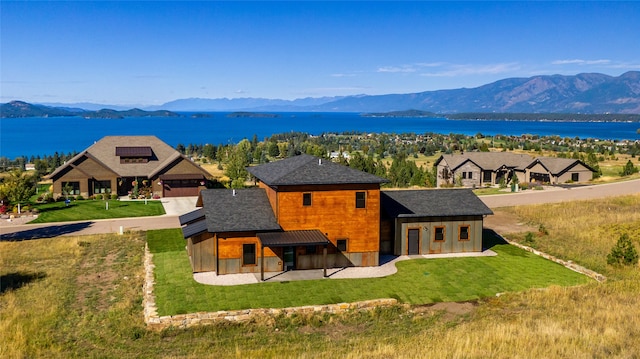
(244,254)
(361,202)
(435,233)
(468,227)
(346,244)
(305,196)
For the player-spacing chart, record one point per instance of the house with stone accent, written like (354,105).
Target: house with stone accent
(311,213)
(121,164)
(476,169)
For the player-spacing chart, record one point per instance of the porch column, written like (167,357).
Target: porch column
(262,262)
(324,259)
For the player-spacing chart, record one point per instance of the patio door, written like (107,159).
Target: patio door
(413,239)
(289,255)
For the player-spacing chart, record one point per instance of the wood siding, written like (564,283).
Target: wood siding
(451,242)
(81,171)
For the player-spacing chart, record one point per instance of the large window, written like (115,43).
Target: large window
(575,177)
(361,199)
(306,199)
(102,187)
(248,254)
(71,188)
(463,233)
(439,234)
(486,176)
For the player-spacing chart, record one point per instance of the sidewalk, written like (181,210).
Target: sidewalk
(387,268)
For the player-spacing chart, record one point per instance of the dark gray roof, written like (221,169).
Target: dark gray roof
(432,203)
(194,228)
(556,165)
(293,238)
(191,216)
(238,210)
(487,160)
(310,170)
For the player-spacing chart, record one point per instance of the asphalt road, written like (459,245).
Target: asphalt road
(16,232)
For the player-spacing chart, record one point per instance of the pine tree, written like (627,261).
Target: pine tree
(623,253)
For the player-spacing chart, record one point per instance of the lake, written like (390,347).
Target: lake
(45,135)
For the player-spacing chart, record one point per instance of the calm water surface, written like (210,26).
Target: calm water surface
(44,136)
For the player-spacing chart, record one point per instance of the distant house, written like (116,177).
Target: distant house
(475,169)
(308,213)
(116,164)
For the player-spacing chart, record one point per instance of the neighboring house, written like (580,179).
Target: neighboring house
(115,164)
(431,221)
(475,169)
(311,213)
(558,170)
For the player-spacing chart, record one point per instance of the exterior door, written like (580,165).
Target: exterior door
(289,258)
(413,239)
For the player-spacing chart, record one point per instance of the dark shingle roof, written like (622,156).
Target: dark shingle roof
(556,165)
(432,203)
(194,228)
(238,210)
(310,170)
(192,216)
(487,160)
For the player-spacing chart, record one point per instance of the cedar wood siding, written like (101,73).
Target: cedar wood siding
(82,170)
(333,211)
(451,244)
(202,251)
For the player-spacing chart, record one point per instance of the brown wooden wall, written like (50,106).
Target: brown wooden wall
(451,225)
(333,211)
(82,170)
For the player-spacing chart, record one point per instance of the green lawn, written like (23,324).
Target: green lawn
(419,281)
(95,209)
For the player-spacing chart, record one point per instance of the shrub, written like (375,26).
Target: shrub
(3,209)
(623,252)
(114,196)
(529,240)
(79,197)
(98,196)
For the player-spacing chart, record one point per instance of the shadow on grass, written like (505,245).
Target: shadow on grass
(12,281)
(490,239)
(44,232)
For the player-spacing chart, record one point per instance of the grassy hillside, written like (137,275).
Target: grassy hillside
(81,297)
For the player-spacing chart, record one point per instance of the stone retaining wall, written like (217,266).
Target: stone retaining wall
(206,318)
(568,264)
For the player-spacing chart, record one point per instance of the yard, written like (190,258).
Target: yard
(417,282)
(95,209)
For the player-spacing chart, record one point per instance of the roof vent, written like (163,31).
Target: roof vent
(234,192)
(319,161)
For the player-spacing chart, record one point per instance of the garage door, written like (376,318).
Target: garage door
(180,188)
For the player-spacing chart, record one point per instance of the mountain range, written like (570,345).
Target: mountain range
(586,93)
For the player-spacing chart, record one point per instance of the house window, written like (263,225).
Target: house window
(341,244)
(464,175)
(101,186)
(361,199)
(463,233)
(575,177)
(486,176)
(306,199)
(71,188)
(249,254)
(439,234)
(470,175)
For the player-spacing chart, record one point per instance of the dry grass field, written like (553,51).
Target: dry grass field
(79,297)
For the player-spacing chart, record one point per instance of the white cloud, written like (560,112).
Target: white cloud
(397,69)
(581,62)
(343,75)
(453,70)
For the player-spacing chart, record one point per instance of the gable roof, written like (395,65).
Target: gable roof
(487,160)
(557,166)
(108,150)
(237,210)
(310,170)
(432,203)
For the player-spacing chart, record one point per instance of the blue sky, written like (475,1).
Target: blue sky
(149,53)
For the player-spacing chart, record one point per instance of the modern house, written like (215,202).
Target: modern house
(123,164)
(475,169)
(308,213)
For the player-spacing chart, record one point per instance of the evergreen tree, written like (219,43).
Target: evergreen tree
(623,253)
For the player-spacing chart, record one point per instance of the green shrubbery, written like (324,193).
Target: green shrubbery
(623,253)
